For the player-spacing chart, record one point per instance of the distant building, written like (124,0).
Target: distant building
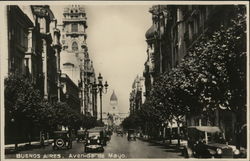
(137,95)
(113,117)
(113,104)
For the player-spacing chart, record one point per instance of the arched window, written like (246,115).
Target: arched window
(74,46)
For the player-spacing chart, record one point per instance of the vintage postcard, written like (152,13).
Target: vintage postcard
(124,80)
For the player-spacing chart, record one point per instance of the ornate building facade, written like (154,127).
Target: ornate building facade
(33,51)
(34,47)
(75,59)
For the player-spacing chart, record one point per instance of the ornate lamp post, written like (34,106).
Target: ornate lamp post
(99,89)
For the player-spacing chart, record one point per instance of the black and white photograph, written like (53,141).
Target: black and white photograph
(124,80)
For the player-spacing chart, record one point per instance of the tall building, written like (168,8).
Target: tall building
(50,42)
(33,50)
(73,41)
(34,47)
(75,61)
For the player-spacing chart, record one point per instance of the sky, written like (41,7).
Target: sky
(117,46)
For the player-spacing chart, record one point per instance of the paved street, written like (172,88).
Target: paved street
(118,147)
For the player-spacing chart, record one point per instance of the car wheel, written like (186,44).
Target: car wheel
(195,154)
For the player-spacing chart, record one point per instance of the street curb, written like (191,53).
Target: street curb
(10,148)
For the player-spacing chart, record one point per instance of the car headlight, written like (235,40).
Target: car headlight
(98,141)
(236,152)
(88,141)
(218,151)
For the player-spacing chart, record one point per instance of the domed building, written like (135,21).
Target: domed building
(113,104)
(112,117)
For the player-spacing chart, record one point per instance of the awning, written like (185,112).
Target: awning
(210,129)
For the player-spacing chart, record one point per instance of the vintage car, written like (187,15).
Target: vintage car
(105,137)
(119,132)
(209,142)
(94,141)
(131,135)
(81,135)
(62,139)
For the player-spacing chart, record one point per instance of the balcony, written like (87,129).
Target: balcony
(79,33)
(78,19)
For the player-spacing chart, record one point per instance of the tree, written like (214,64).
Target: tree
(211,76)
(21,104)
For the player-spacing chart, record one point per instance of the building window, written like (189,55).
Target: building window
(74,46)
(74,27)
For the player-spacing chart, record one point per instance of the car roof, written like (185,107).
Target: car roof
(94,130)
(210,129)
(60,132)
(97,129)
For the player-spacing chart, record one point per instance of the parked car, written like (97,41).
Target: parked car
(94,141)
(209,142)
(131,135)
(62,139)
(81,135)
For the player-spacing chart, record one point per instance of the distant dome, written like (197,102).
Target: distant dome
(113,97)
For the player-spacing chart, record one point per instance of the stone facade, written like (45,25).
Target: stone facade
(34,47)
(70,92)
(75,59)
(33,50)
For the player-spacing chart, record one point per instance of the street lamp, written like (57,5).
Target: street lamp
(99,89)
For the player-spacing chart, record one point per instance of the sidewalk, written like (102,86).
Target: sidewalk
(173,145)
(10,148)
